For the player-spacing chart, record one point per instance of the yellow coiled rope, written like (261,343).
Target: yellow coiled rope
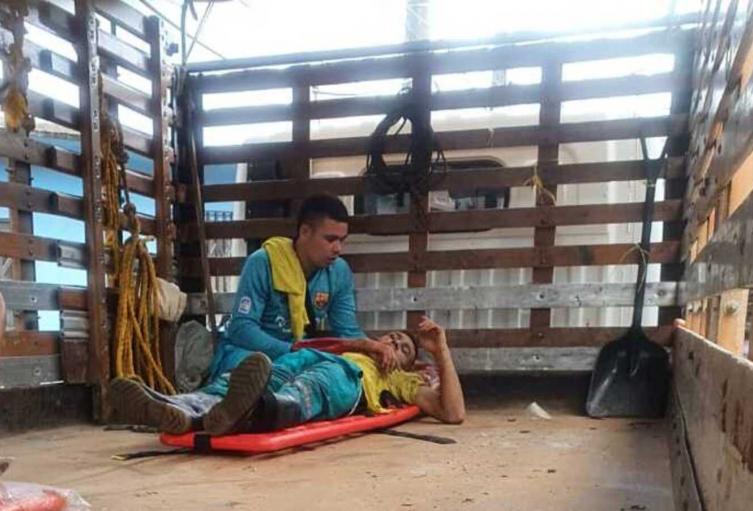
(15,105)
(137,340)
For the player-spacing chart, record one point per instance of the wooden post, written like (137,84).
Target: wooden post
(300,165)
(712,323)
(418,239)
(91,172)
(185,212)
(733,306)
(549,115)
(160,73)
(21,221)
(675,188)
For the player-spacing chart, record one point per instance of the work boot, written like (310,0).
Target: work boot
(247,383)
(135,405)
(275,412)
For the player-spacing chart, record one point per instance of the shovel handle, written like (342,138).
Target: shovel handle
(652,174)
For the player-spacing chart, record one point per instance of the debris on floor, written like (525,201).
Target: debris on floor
(4,464)
(536,411)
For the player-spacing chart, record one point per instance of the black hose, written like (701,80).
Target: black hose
(420,170)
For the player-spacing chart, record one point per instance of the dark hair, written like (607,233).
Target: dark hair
(321,206)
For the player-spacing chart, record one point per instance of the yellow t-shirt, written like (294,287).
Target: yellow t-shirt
(403,385)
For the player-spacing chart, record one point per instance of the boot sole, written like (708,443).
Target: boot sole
(136,406)
(247,384)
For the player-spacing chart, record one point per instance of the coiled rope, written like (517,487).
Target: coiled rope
(137,339)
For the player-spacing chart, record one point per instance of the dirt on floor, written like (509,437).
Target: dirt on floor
(505,458)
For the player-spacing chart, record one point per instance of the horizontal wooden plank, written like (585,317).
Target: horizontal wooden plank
(63,23)
(53,111)
(726,262)
(123,15)
(139,142)
(21,295)
(582,255)
(485,297)
(140,183)
(68,116)
(27,198)
(18,372)
(547,337)
(529,296)
(45,59)
(127,96)
(472,98)
(123,54)
(30,151)
(455,140)
(36,248)
(456,61)
(26,246)
(72,298)
(470,180)
(454,221)
(28,343)
(57,65)
(578,359)
(48,16)
(539,257)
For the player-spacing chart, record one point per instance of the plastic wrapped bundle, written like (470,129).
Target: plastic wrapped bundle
(35,497)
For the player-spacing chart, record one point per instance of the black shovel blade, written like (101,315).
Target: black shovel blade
(631,379)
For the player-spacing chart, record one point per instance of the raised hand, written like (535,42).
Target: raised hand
(431,336)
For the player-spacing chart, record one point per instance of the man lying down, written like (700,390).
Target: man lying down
(306,385)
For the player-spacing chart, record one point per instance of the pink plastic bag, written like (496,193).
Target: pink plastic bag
(16,496)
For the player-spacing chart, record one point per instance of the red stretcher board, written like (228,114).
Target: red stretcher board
(257,443)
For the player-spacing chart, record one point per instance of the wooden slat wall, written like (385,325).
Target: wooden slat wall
(720,178)
(80,350)
(548,134)
(715,405)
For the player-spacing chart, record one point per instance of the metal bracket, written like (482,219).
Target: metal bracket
(74,325)
(70,255)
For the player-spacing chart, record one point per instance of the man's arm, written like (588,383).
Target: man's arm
(383,354)
(444,402)
(254,291)
(342,309)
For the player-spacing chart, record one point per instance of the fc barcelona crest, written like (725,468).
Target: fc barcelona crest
(321,300)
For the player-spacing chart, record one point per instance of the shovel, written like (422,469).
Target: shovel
(631,376)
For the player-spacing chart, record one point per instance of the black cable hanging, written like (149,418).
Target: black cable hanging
(421,170)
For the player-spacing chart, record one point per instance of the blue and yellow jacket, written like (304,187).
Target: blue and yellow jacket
(261,319)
